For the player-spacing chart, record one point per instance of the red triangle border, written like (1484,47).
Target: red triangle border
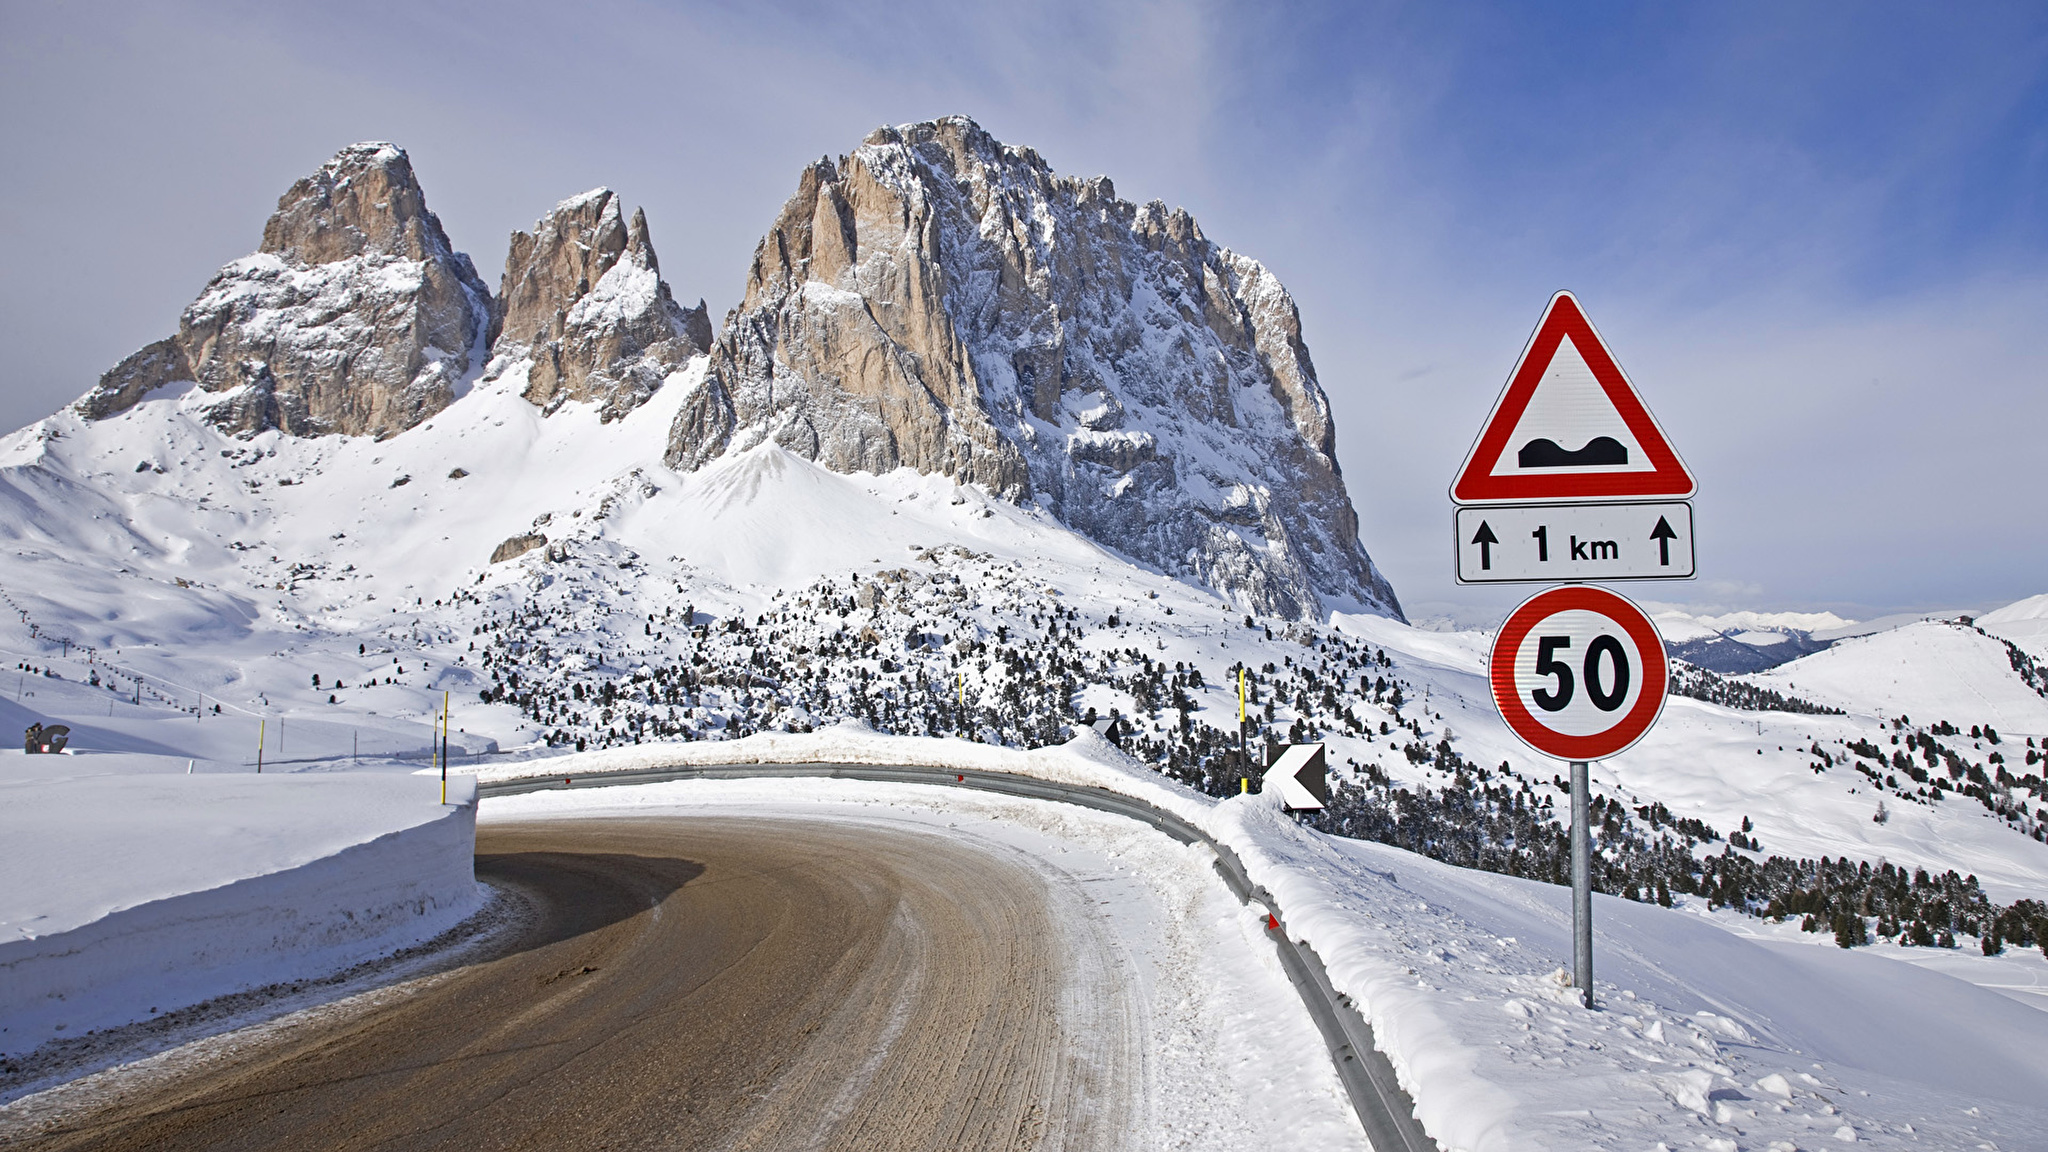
(1477,485)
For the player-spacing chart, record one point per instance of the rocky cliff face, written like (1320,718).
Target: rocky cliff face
(583,306)
(941,301)
(355,316)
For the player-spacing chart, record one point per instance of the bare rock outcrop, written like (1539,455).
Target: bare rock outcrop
(355,316)
(516,546)
(583,305)
(125,384)
(941,301)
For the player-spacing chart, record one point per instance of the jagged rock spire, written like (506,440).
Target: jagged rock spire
(582,304)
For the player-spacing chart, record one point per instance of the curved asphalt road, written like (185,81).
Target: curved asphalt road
(712,983)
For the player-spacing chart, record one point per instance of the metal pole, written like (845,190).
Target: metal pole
(1582,885)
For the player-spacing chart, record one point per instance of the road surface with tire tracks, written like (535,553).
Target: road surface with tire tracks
(709,983)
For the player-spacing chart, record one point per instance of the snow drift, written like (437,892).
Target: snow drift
(134,895)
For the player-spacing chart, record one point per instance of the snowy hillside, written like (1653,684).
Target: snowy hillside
(1925,671)
(2024,622)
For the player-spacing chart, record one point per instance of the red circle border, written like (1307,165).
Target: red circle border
(1582,597)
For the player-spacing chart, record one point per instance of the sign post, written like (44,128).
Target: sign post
(1571,479)
(1579,673)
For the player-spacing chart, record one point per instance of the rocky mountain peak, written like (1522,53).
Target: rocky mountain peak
(355,316)
(583,308)
(942,301)
(364,202)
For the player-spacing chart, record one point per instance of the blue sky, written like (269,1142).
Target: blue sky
(1816,234)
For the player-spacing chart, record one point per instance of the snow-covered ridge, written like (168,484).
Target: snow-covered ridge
(2024,622)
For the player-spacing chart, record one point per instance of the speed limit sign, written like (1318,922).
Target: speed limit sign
(1578,672)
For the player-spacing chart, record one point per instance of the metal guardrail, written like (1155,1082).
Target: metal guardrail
(1384,1110)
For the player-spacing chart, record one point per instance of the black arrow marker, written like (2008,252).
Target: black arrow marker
(1663,535)
(1486,540)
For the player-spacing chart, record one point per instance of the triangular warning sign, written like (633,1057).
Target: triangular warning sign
(1569,426)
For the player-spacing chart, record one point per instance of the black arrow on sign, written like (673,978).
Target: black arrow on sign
(1486,540)
(1663,535)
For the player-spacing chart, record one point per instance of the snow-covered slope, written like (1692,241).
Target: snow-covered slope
(1925,671)
(2024,622)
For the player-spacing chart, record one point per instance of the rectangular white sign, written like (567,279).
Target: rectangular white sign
(1524,543)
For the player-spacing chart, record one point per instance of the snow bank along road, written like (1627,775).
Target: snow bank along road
(732,984)
(726,978)
(126,894)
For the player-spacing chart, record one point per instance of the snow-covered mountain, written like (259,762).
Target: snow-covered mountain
(583,313)
(935,300)
(355,316)
(941,301)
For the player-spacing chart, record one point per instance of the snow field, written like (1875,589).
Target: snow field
(133,895)
(1925,671)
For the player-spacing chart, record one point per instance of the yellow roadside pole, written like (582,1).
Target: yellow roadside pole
(261,729)
(1243,754)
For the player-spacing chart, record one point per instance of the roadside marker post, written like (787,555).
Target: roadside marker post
(1571,479)
(1244,761)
